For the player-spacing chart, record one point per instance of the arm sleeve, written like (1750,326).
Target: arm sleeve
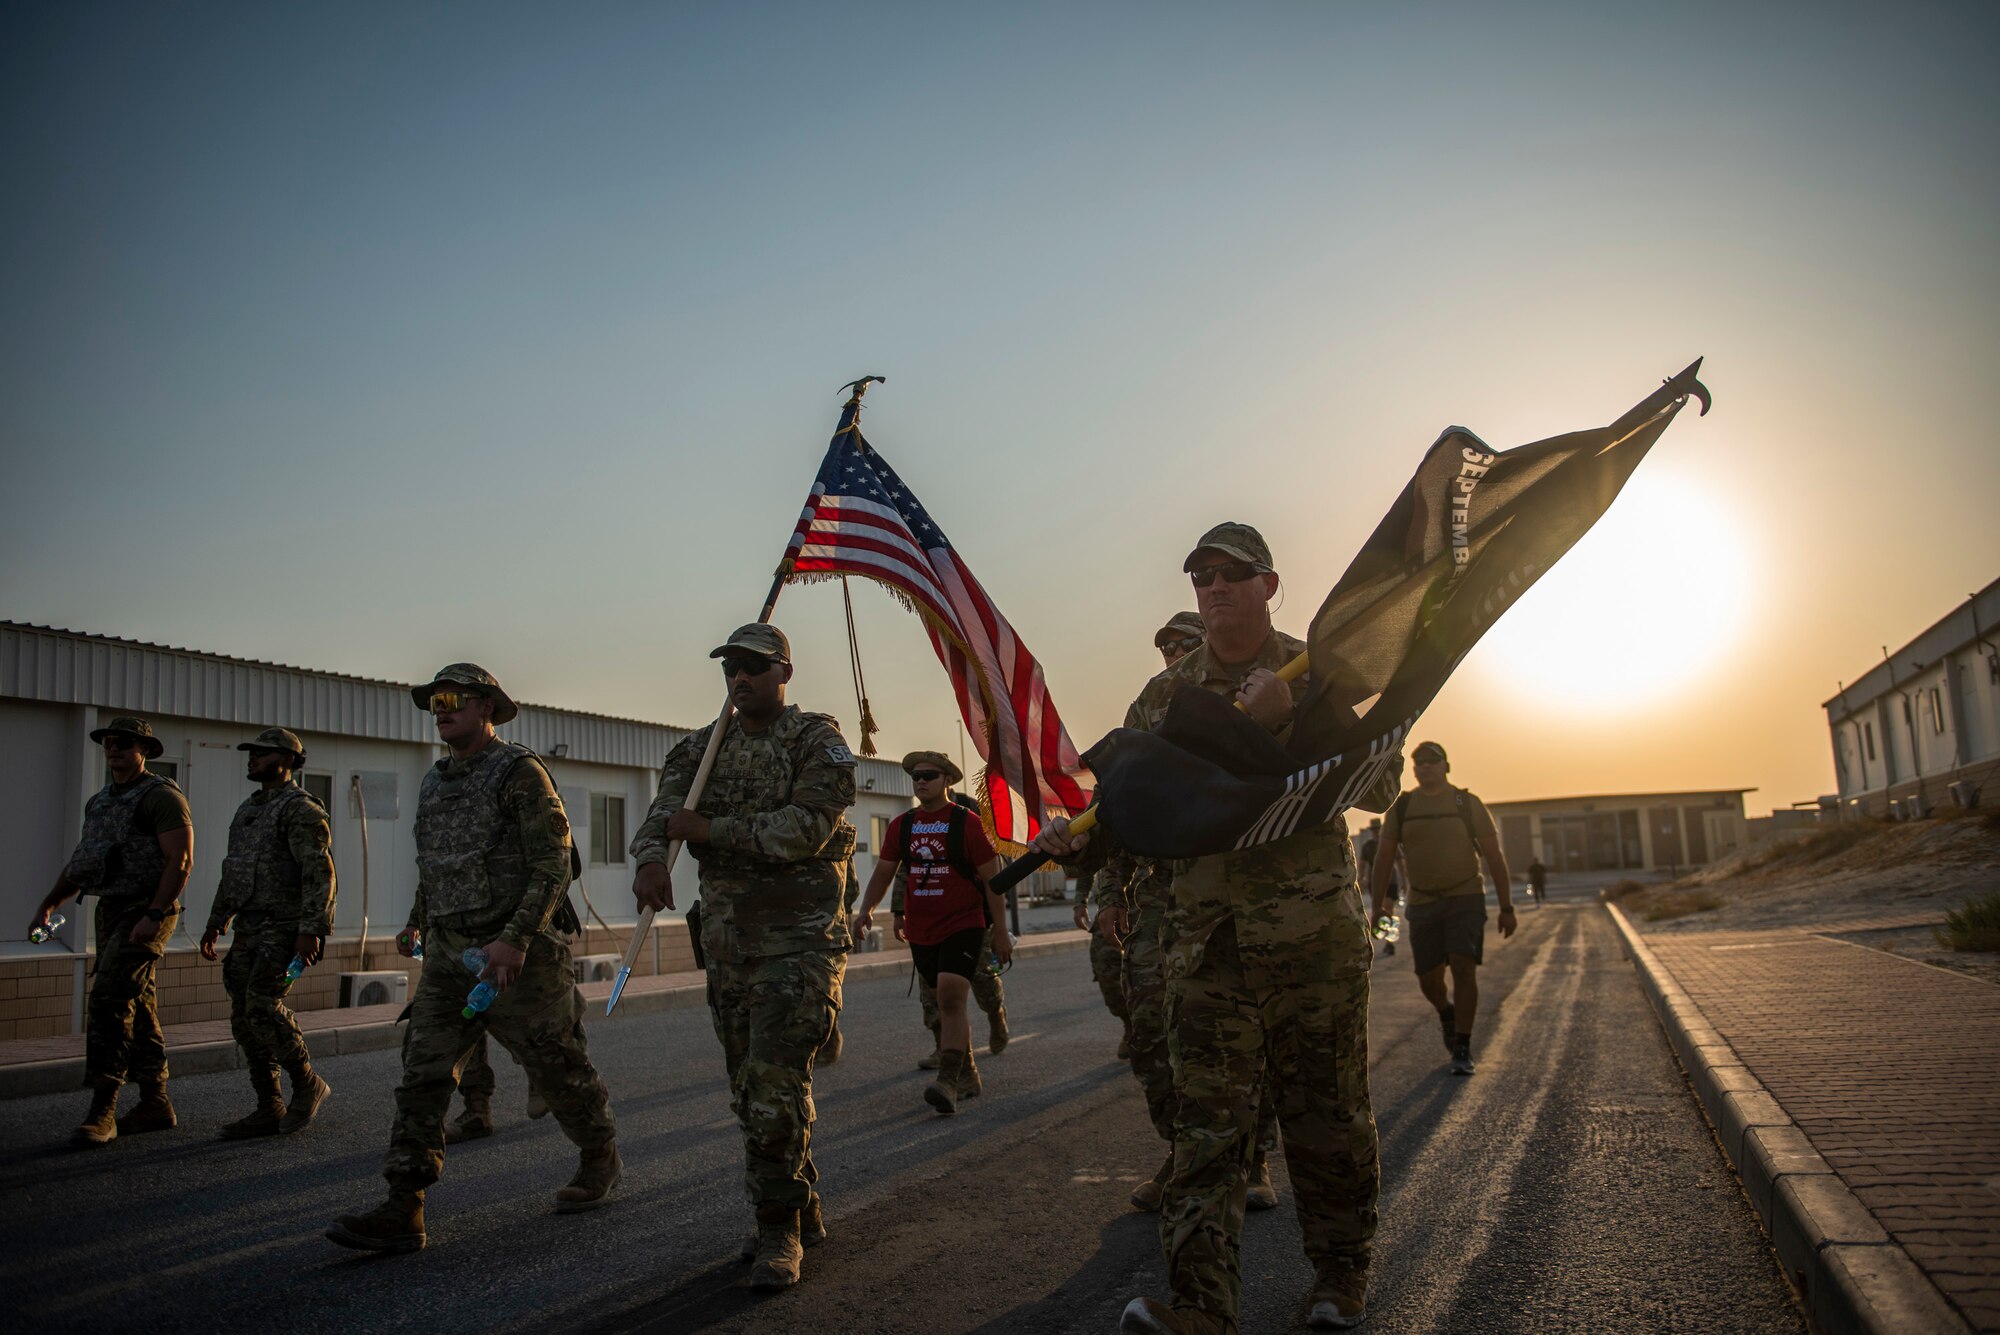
(530,799)
(1482,821)
(310,842)
(676,777)
(164,808)
(1107,888)
(822,790)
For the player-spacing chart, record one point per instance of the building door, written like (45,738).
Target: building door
(1697,840)
(1666,825)
(1604,850)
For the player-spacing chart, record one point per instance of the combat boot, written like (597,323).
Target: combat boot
(596,1174)
(1263,1193)
(1148,1195)
(812,1230)
(930,1061)
(969,1084)
(100,1125)
(1150,1316)
(1338,1300)
(538,1107)
(942,1093)
(778,1249)
(475,1123)
(308,1093)
(996,1029)
(153,1112)
(396,1225)
(270,1108)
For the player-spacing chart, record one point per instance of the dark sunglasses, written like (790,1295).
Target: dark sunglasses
(119,741)
(1236,572)
(925,775)
(748,666)
(1187,644)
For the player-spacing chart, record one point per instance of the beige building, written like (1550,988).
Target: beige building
(1622,832)
(367,749)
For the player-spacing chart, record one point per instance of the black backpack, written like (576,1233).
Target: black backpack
(954,841)
(1400,809)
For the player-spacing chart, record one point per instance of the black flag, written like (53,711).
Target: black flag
(1473,531)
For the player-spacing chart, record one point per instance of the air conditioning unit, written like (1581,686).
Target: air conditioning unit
(381,988)
(1965,794)
(1916,808)
(597,968)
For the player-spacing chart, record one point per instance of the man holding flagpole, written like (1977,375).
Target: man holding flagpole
(1269,964)
(771,834)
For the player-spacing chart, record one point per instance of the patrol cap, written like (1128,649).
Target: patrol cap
(757,638)
(1234,540)
(937,759)
(275,739)
(1429,753)
(1179,624)
(133,727)
(468,674)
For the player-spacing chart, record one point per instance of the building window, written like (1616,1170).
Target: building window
(1936,702)
(320,787)
(607,829)
(1868,737)
(880,825)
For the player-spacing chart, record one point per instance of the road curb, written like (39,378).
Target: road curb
(59,1075)
(1854,1280)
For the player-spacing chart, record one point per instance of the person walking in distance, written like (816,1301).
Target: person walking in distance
(1443,834)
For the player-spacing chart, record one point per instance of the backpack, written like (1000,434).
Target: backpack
(954,841)
(1400,807)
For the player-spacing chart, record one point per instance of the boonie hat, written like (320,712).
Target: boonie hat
(951,772)
(275,739)
(1179,624)
(757,638)
(468,674)
(152,746)
(1429,752)
(1236,540)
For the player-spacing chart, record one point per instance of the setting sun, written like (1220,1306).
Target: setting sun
(1643,607)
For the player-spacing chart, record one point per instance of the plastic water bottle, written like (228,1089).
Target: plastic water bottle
(293,970)
(1388,928)
(480,997)
(993,965)
(47,929)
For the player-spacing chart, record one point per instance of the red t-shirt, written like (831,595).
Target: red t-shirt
(940,901)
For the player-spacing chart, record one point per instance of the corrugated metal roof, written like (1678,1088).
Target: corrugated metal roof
(1971,622)
(59,666)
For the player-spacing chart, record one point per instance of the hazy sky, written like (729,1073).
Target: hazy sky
(372,337)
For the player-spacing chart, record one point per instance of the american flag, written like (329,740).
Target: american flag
(861,520)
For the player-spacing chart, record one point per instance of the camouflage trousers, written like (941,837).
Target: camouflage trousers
(773,1013)
(1146,1008)
(1107,969)
(1308,1021)
(253,973)
(987,993)
(538,1019)
(122,1038)
(476,1081)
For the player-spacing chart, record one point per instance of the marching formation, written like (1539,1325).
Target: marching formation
(1242,978)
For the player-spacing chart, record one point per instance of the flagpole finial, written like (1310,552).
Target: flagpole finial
(860,386)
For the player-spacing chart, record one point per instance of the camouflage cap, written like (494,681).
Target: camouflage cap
(1429,753)
(275,739)
(1179,624)
(757,638)
(468,674)
(132,727)
(936,759)
(1232,539)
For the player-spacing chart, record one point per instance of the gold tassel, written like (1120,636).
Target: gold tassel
(868,725)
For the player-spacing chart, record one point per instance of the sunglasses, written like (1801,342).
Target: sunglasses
(748,666)
(1185,645)
(925,775)
(450,702)
(118,741)
(1236,572)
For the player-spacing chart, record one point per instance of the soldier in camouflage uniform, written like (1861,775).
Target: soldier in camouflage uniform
(476,1083)
(135,854)
(1268,967)
(772,837)
(494,864)
(278,887)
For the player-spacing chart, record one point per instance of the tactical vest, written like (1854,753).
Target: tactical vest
(260,877)
(469,855)
(112,860)
(755,773)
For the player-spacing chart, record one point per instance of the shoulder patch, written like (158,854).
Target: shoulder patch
(559,822)
(839,754)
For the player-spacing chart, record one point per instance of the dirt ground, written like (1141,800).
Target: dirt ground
(1874,883)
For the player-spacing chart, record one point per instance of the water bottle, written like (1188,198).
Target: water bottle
(480,997)
(47,929)
(993,965)
(1387,928)
(293,970)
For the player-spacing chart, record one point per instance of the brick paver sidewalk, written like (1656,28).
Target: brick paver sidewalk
(1891,1068)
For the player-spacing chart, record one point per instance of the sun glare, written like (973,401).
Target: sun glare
(1644,607)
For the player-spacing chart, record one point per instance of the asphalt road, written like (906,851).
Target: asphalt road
(1570,1185)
